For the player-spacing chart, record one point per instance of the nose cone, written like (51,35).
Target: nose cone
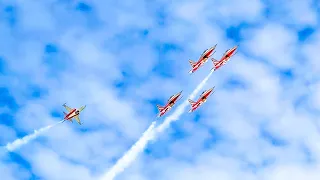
(211,50)
(234,49)
(214,47)
(211,89)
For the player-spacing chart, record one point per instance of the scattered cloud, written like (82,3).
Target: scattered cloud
(122,58)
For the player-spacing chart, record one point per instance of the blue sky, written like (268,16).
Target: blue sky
(121,58)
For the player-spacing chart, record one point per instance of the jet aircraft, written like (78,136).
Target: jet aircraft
(72,113)
(225,58)
(203,98)
(171,102)
(203,59)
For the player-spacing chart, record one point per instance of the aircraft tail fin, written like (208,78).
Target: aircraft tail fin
(191,102)
(160,108)
(214,61)
(192,63)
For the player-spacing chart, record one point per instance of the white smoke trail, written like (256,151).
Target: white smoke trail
(131,155)
(180,110)
(140,145)
(19,142)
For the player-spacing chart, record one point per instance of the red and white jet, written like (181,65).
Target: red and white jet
(225,58)
(171,102)
(203,59)
(203,98)
(72,113)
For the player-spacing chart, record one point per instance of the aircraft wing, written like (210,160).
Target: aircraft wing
(67,108)
(204,52)
(78,119)
(82,108)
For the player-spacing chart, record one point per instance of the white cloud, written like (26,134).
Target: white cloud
(291,13)
(274,43)
(106,47)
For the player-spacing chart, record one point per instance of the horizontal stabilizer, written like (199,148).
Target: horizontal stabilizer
(192,63)
(214,61)
(191,102)
(160,108)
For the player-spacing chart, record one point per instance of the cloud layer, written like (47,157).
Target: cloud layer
(122,58)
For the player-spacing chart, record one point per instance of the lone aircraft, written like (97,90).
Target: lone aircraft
(203,98)
(72,113)
(171,102)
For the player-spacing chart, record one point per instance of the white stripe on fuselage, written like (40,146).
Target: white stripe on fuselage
(200,63)
(72,114)
(199,104)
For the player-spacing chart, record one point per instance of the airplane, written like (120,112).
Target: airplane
(72,113)
(203,98)
(225,58)
(203,59)
(171,102)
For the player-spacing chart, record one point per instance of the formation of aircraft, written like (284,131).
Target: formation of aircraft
(195,66)
(72,113)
